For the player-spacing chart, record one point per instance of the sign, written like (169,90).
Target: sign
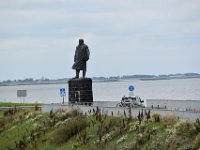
(131,88)
(21,93)
(62,92)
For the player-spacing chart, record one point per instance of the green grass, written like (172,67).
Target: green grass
(10,104)
(37,130)
(1,113)
(17,127)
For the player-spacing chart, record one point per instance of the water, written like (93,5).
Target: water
(178,89)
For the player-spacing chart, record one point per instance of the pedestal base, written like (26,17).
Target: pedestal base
(80,91)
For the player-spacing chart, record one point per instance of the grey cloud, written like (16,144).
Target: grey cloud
(137,36)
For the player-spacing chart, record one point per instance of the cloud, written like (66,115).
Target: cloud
(136,36)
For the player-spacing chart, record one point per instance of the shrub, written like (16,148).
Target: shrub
(156,117)
(148,114)
(141,139)
(68,130)
(186,129)
(51,114)
(64,114)
(36,107)
(9,112)
(197,125)
(196,143)
(2,122)
(81,139)
(170,117)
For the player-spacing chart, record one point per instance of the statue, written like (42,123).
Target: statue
(81,57)
(80,90)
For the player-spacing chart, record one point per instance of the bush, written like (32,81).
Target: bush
(64,114)
(9,112)
(141,139)
(196,143)
(68,130)
(2,122)
(170,117)
(197,125)
(156,117)
(186,129)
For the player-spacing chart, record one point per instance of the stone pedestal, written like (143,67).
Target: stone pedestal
(80,91)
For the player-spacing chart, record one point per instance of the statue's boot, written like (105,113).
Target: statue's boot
(77,74)
(84,73)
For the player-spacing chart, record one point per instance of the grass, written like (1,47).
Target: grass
(1,113)
(65,131)
(9,104)
(71,130)
(17,127)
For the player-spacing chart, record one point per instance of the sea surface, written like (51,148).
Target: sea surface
(175,89)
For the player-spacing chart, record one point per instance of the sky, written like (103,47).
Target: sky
(125,37)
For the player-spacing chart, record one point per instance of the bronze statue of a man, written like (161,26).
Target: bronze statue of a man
(81,57)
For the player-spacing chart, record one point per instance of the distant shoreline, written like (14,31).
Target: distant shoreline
(31,81)
(107,80)
(150,79)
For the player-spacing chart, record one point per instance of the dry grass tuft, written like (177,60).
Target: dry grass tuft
(170,117)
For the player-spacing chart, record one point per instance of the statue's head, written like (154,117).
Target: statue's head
(81,41)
